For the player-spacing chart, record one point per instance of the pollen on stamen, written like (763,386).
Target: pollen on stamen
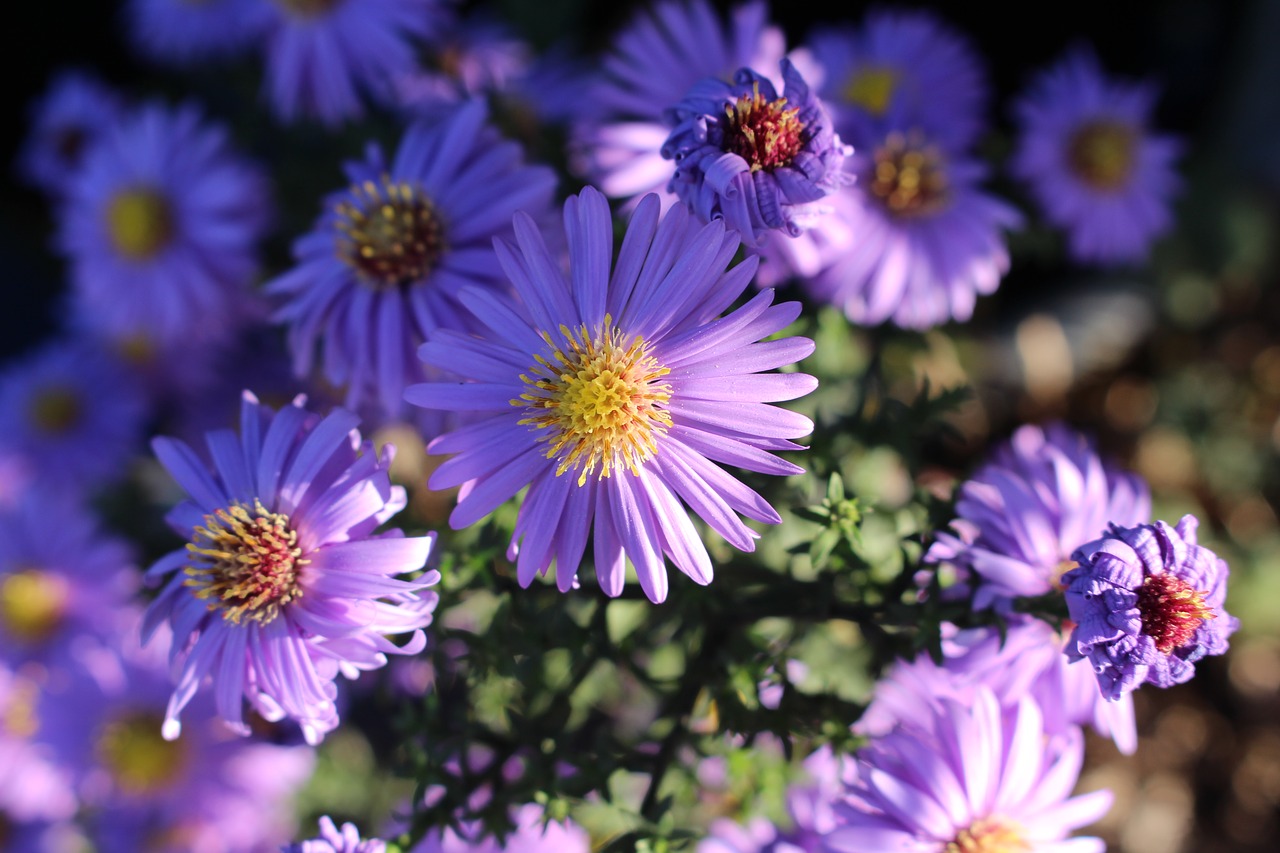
(391,234)
(245,563)
(909,178)
(600,399)
(1171,611)
(990,835)
(764,133)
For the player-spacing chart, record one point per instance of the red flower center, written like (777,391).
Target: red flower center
(1171,611)
(764,133)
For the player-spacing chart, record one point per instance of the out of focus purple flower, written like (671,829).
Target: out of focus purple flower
(71,413)
(161,226)
(324,56)
(1090,159)
(651,66)
(1043,495)
(335,840)
(611,393)
(1147,603)
(751,156)
(901,69)
(471,58)
(36,790)
(386,263)
(283,583)
(75,111)
(531,835)
(184,32)
(978,776)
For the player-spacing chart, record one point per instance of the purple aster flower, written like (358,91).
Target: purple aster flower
(385,264)
(323,54)
(70,412)
(757,159)
(184,32)
(471,59)
(611,392)
(283,583)
(1147,603)
(979,776)
(1090,160)
(161,227)
(531,835)
(1022,515)
(335,840)
(72,115)
(653,63)
(901,69)
(36,790)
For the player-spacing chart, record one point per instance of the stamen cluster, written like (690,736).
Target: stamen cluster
(765,133)
(908,176)
(1102,154)
(391,235)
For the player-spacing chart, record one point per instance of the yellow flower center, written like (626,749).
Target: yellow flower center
(909,178)
(1102,154)
(137,756)
(18,716)
(55,410)
(871,88)
(391,236)
(245,563)
(140,223)
(32,603)
(990,835)
(600,400)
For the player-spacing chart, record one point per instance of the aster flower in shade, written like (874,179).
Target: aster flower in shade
(324,55)
(385,264)
(611,393)
(1089,158)
(651,66)
(161,226)
(978,776)
(36,790)
(1147,603)
(469,59)
(754,157)
(73,113)
(183,32)
(70,412)
(1021,516)
(531,835)
(283,583)
(900,69)
(335,840)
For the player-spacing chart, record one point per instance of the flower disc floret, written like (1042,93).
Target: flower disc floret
(909,176)
(139,760)
(990,835)
(767,134)
(1102,153)
(32,604)
(140,222)
(391,233)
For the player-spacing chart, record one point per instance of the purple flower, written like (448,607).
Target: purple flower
(610,394)
(653,63)
(979,776)
(283,583)
(1147,603)
(322,54)
(161,226)
(531,835)
(1090,160)
(901,69)
(35,788)
(183,32)
(334,840)
(71,413)
(72,115)
(473,58)
(757,159)
(1022,515)
(384,267)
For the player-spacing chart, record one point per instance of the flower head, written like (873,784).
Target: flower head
(386,263)
(1088,156)
(752,156)
(73,114)
(532,834)
(335,840)
(184,32)
(283,583)
(611,392)
(1148,603)
(161,226)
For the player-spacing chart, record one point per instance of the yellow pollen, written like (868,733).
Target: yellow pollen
(871,88)
(1055,578)
(137,756)
(140,223)
(32,603)
(909,178)
(18,716)
(1102,154)
(990,835)
(600,400)
(391,235)
(245,563)
(55,410)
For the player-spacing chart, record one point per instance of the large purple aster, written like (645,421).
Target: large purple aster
(1148,603)
(384,267)
(68,119)
(756,158)
(283,583)
(611,392)
(1091,161)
